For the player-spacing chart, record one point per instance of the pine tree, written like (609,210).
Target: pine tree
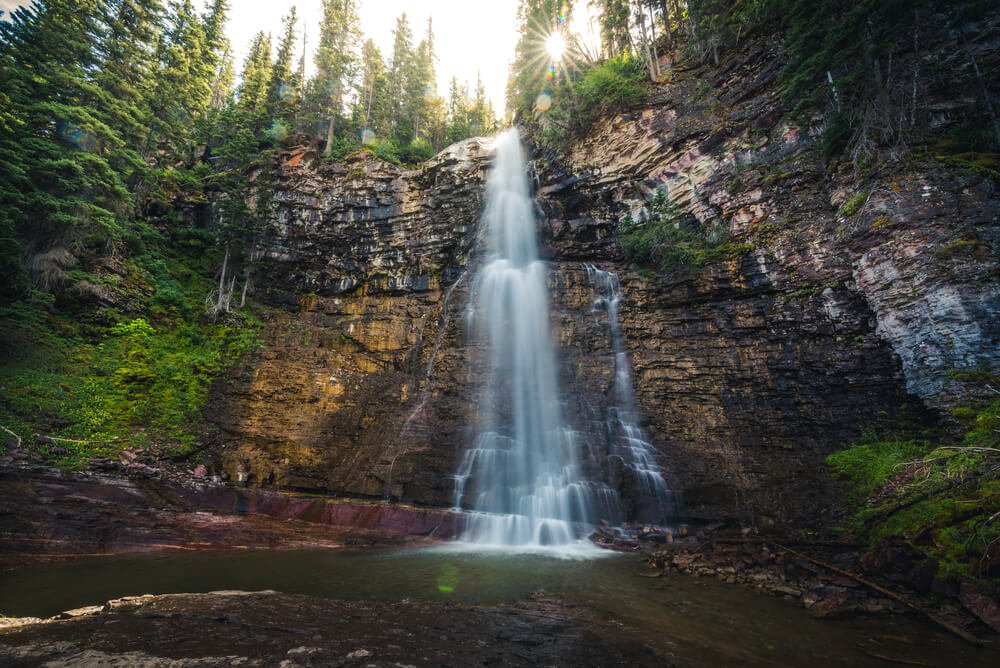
(537,20)
(335,61)
(398,78)
(372,104)
(252,97)
(458,112)
(423,107)
(614,22)
(127,66)
(183,88)
(61,194)
(282,94)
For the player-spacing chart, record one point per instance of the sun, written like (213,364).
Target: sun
(555,45)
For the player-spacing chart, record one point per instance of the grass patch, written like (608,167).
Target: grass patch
(106,383)
(671,240)
(943,498)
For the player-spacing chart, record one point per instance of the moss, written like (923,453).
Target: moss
(957,247)
(865,467)
(853,205)
(881,222)
(108,383)
(943,497)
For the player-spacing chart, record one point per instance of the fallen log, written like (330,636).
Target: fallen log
(943,623)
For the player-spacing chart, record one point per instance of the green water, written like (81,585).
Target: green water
(698,622)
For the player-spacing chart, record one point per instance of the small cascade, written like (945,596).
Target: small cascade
(629,446)
(521,477)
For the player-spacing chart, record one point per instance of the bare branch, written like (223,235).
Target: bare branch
(12,434)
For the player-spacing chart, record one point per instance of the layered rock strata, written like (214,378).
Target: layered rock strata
(847,301)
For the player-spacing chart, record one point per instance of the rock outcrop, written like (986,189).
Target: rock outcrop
(848,300)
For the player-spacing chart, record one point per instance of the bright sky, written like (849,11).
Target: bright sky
(470,35)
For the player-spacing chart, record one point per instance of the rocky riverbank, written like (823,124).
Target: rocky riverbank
(47,514)
(274,629)
(830,579)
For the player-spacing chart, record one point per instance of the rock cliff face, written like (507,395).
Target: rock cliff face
(848,300)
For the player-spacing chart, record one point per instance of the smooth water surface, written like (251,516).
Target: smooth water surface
(699,622)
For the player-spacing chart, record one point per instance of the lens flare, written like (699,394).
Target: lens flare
(70,132)
(555,45)
(448,580)
(286,92)
(543,102)
(277,131)
(367,136)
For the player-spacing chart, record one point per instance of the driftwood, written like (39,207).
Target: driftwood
(767,541)
(42,438)
(943,623)
(18,438)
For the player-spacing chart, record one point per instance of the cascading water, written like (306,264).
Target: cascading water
(521,477)
(629,446)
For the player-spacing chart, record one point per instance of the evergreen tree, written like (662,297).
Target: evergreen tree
(398,78)
(255,81)
(282,91)
(183,87)
(335,61)
(424,109)
(372,106)
(614,22)
(458,112)
(127,63)
(482,117)
(61,194)
(537,20)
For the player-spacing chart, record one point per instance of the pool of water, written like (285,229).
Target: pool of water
(698,622)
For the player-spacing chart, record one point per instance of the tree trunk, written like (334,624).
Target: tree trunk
(329,137)
(656,56)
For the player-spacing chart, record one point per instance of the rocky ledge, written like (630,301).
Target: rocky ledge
(272,629)
(47,514)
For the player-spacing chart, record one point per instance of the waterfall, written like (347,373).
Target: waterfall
(521,477)
(628,444)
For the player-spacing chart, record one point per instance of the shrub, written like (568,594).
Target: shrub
(672,240)
(417,151)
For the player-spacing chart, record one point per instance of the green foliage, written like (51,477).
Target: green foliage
(943,498)
(854,204)
(673,241)
(867,466)
(417,151)
(615,85)
(136,383)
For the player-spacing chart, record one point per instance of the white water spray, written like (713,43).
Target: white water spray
(628,442)
(521,477)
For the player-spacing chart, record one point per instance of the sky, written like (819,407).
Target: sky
(471,35)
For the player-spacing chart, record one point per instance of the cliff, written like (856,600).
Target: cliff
(846,299)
